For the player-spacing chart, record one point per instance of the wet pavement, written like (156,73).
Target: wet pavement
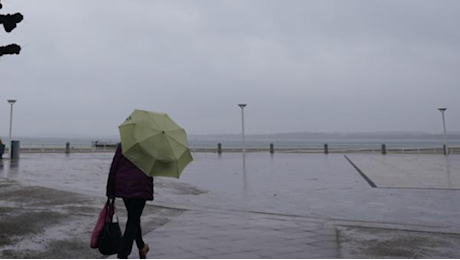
(315,186)
(207,234)
(273,206)
(409,171)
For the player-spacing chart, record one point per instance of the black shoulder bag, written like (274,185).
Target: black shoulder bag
(110,236)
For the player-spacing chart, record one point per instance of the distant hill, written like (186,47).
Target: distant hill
(279,136)
(332,136)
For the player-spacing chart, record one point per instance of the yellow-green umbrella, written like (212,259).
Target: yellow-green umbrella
(155,144)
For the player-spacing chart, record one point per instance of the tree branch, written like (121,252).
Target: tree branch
(10,49)
(10,21)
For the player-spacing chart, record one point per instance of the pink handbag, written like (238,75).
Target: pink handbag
(100,223)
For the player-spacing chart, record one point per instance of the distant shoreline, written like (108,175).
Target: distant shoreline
(391,135)
(302,142)
(317,150)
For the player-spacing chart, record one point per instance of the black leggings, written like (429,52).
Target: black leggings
(133,227)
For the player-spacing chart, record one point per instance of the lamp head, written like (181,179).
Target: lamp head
(12,101)
(442,109)
(242,105)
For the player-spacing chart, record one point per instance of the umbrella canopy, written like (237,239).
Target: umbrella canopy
(155,144)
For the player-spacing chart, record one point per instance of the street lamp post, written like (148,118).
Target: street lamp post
(242,124)
(446,151)
(11,101)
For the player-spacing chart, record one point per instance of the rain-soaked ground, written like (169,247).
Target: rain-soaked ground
(415,194)
(38,222)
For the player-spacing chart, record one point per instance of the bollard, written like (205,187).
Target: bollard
(14,150)
(219,148)
(326,149)
(67,148)
(384,149)
(272,148)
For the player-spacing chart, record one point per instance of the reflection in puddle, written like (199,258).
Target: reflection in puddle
(2,170)
(447,167)
(9,168)
(14,165)
(245,182)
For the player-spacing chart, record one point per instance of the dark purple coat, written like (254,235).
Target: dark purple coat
(127,181)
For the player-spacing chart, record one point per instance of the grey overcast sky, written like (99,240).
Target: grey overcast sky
(314,66)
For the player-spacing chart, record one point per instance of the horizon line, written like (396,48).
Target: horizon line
(77,136)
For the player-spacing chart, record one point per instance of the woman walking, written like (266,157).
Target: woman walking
(158,147)
(128,182)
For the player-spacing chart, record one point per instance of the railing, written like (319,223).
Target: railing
(406,150)
(61,148)
(314,148)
